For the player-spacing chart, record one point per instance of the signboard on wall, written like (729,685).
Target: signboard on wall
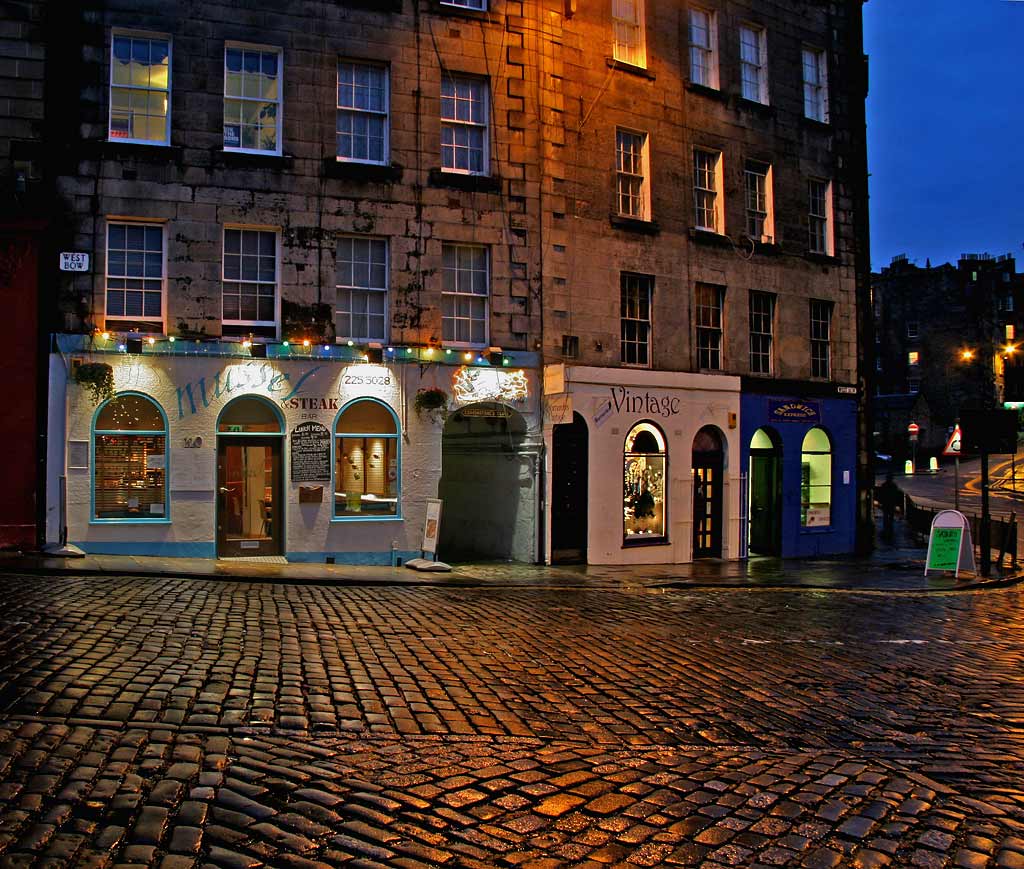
(431,525)
(793,410)
(311,453)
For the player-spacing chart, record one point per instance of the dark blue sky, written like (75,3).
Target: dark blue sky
(945,128)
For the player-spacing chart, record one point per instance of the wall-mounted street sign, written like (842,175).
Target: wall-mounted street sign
(74,262)
(913,430)
(953,444)
(949,543)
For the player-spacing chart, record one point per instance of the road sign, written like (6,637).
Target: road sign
(953,444)
(949,544)
(74,262)
(913,430)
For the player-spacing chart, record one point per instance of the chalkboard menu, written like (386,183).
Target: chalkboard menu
(311,453)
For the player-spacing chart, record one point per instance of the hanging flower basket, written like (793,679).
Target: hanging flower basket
(98,377)
(430,401)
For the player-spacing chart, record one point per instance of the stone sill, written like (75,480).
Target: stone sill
(460,181)
(366,172)
(633,224)
(705,91)
(633,69)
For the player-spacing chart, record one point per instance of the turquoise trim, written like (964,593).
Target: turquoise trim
(382,559)
(249,397)
(171,549)
(162,520)
(350,518)
(334,458)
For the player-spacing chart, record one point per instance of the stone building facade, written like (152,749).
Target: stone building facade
(528,211)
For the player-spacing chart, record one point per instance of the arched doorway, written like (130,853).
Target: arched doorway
(569,444)
(765,492)
(708,474)
(250,506)
(488,486)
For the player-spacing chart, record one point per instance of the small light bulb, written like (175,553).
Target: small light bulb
(447,351)
(327,347)
(247,344)
(430,351)
(305,342)
(391,349)
(504,360)
(366,358)
(121,347)
(171,339)
(468,357)
(151,341)
(351,343)
(408,351)
(105,336)
(286,344)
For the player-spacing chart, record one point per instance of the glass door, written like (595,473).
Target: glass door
(249,515)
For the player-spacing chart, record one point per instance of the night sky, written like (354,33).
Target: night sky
(945,128)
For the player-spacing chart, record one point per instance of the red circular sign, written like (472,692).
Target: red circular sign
(913,428)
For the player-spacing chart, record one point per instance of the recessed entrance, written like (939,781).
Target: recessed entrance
(250,510)
(765,492)
(569,492)
(708,473)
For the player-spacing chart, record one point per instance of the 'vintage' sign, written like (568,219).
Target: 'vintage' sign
(793,410)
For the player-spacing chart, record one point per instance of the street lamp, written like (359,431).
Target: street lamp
(967,355)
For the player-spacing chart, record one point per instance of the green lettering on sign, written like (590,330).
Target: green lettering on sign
(944,553)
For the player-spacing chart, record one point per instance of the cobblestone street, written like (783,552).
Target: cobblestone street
(175,723)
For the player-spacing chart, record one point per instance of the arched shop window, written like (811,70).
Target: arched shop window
(643,484)
(366,470)
(130,460)
(816,479)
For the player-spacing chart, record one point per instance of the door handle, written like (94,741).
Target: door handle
(225,490)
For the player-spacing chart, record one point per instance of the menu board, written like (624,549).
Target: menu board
(311,453)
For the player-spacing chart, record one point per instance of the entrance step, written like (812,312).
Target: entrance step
(259,559)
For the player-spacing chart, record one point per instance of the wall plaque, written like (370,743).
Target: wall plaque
(311,453)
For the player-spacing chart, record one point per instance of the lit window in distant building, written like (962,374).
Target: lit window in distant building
(466,4)
(707,182)
(252,99)
(140,89)
(703,47)
(709,327)
(628,32)
(464,136)
(913,357)
(819,216)
(631,163)
(815,85)
(754,63)
(757,179)
(362,124)
(635,306)
(912,329)
(821,338)
(1010,332)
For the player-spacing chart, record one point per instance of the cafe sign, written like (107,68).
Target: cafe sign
(471,385)
(793,410)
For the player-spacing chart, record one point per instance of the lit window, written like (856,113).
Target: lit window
(465,289)
(466,4)
(631,172)
(362,126)
(709,327)
(628,32)
(758,183)
(643,484)
(821,338)
(135,272)
(912,328)
(362,288)
(140,89)
(913,357)
(815,85)
(754,63)
(130,465)
(464,142)
(707,182)
(250,277)
(635,292)
(252,99)
(366,454)
(703,48)
(762,309)
(1010,332)
(816,479)
(819,216)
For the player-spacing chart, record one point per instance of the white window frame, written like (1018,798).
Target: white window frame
(707,328)
(477,5)
(707,53)
(279,102)
(626,174)
(148,224)
(454,123)
(385,115)
(767,234)
(629,51)
(149,36)
(455,295)
(638,290)
(701,175)
(760,68)
(815,73)
(277,275)
(819,224)
(762,343)
(368,289)
(821,338)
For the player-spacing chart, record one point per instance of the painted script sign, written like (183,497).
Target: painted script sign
(793,410)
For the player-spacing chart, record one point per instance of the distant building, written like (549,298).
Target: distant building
(950,333)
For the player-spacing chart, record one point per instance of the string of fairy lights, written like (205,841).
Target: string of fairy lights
(304,348)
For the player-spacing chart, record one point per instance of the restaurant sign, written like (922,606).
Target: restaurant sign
(793,410)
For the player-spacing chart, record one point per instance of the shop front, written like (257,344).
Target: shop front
(800,455)
(642,465)
(311,454)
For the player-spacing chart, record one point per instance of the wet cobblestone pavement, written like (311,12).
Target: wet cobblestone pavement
(177,723)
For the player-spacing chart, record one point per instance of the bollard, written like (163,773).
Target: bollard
(908,468)
(933,465)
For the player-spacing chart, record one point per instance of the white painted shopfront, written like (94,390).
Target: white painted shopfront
(649,458)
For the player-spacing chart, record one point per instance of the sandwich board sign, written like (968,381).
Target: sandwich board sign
(949,544)
(431,526)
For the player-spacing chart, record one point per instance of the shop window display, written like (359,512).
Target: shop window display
(130,467)
(816,479)
(366,461)
(644,484)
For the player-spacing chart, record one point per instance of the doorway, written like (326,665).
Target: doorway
(250,507)
(765,493)
(708,474)
(569,462)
